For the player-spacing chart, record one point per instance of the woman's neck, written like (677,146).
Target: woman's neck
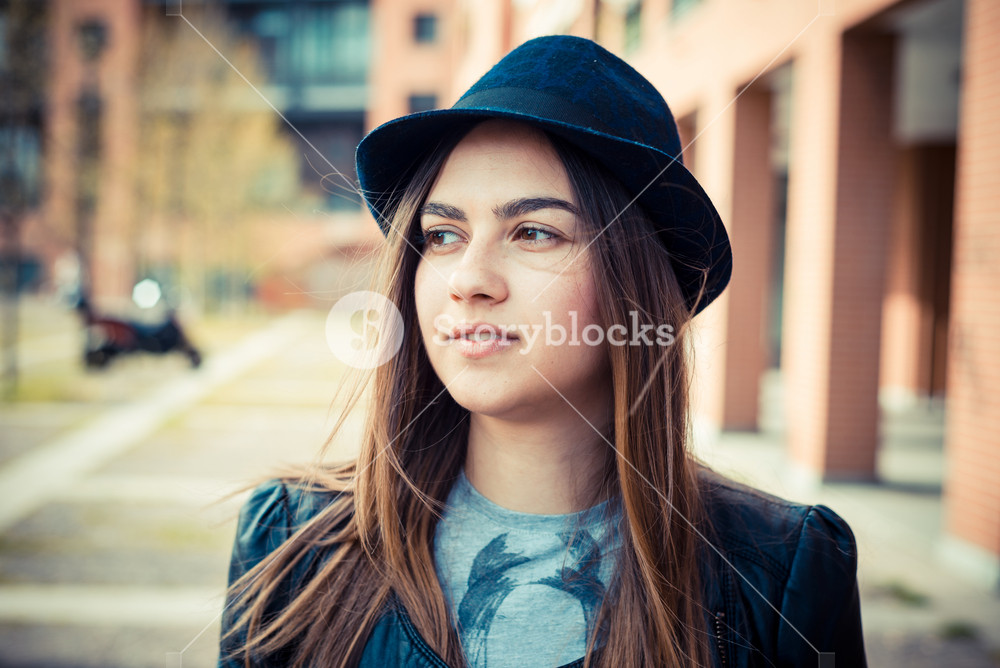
(554,466)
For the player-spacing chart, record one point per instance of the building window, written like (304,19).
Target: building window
(21,161)
(309,43)
(425,28)
(422,103)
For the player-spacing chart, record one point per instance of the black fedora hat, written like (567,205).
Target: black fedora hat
(579,91)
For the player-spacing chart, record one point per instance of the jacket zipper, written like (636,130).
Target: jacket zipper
(719,621)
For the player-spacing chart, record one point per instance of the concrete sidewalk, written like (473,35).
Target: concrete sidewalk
(30,480)
(115,536)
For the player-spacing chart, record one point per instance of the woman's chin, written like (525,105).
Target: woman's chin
(493,406)
(498,403)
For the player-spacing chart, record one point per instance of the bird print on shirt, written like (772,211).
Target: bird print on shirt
(494,576)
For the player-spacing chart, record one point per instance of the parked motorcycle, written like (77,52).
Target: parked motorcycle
(109,337)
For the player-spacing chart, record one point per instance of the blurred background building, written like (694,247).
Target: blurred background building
(223,142)
(852,146)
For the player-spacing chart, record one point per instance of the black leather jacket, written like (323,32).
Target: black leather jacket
(780,581)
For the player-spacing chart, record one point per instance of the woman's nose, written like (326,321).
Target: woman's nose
(478,276)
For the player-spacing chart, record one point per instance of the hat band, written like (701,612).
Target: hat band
(534,103)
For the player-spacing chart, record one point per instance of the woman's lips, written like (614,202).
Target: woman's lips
(478,340)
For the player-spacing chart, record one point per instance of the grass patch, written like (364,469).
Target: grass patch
(903,593)
(958,629)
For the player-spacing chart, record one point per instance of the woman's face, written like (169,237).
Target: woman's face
(505,288)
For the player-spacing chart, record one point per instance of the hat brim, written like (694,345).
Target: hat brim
(685,218)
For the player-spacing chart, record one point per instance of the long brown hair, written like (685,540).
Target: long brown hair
(377,532)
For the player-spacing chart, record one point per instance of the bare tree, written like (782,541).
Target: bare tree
(211,152)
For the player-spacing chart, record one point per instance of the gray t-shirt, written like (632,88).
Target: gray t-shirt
(524,589)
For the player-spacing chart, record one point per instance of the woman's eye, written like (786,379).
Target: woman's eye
(534,235)
(440,237)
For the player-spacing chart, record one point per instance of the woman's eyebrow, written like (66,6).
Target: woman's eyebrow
(512,209)
(446,211)
(524,205)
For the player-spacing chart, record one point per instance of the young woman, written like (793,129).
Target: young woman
(524,495)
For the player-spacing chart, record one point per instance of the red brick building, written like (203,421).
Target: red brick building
(415,48)
(109,74)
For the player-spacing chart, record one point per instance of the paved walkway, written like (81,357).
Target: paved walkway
(115,529)
(114,536)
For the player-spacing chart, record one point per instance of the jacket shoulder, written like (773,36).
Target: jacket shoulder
(275,510)
(783,575)
(752,525)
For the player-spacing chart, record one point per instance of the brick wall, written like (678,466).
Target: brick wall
(751,234)
(973,421)
(401,66)
(865,166)
(111,257)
